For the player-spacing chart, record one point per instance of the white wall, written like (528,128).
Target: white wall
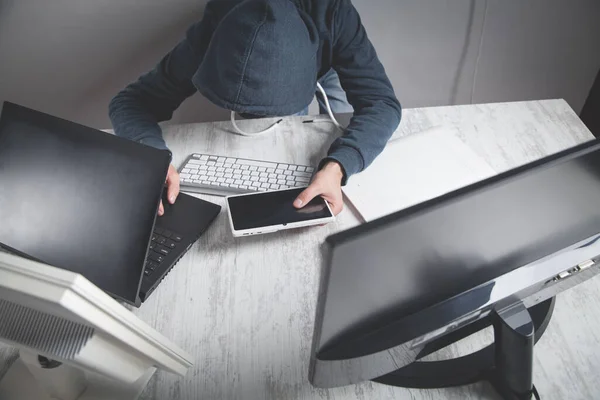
(69,57)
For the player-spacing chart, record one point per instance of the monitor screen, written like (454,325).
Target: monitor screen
(77,198)
(392,268)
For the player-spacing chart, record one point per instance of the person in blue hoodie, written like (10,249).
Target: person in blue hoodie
(263,58)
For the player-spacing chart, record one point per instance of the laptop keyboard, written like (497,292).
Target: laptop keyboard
(212,174)
(163,242)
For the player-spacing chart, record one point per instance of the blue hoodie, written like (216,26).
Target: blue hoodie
(264,57)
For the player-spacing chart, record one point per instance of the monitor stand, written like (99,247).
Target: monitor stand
(507,363)
(29,379)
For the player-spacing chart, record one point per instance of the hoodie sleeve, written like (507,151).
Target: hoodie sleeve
(136,110)
(377,111)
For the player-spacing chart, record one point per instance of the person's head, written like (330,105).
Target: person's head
(261,60)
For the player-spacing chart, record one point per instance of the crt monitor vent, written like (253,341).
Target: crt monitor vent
(46,333)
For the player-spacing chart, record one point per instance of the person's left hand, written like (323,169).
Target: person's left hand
(327,183)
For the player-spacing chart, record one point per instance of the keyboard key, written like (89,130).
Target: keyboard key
(221,159)
(238,182)
(254,178)
(156,257)
(301,168)
(279,171)
(229,180)
(303,180)
(161,240)
(281,181)
(274,187)
(220,169)
(262,169)
(270,170)
(229,175)
(302,174)
(212,178)
(292,167)
(211,173)
(256,184)
(245,172)
(154,237)
(244,187)
(167,233)
(163,250)
(253,168)
(264,185)
(247,182)
(184,176)
(236,166)
(204,157)
(203,168)
(223,184)
(255,173)
(309,169)
(194,177)
(170,244)
(244,167)
(185,171)
(291,178)
(299,184)
(272,180)
(288,172)
(205,182)
(219,175)
(233,186)
(255,163)
(282,166)
(158,231)
(197,181)
(153,245)
(228,165)
(147,272)
(263,179)
(176,237)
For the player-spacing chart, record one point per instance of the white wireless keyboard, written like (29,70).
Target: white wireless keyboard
(223,176)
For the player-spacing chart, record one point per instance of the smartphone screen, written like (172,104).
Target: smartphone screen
(273,208)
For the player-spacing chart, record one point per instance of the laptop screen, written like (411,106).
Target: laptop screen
(77,198)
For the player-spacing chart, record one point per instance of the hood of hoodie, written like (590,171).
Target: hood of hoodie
(261,60)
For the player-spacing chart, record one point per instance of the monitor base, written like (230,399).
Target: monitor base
(506,364)
(20,384)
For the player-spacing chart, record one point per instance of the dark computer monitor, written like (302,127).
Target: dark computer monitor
(392,286)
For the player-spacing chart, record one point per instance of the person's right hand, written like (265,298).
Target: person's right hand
(172,188)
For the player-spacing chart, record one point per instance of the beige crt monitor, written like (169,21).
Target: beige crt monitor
(75,341)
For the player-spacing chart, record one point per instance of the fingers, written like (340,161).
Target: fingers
(161,209)
(307,195)
(172,184)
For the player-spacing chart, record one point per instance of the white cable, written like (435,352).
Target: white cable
(244,133)
(270,128)
(328,107)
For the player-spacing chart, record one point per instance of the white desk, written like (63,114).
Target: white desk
(244,308)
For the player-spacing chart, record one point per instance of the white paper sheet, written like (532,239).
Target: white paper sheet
(414,169)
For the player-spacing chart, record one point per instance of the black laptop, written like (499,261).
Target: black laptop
(86,201)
